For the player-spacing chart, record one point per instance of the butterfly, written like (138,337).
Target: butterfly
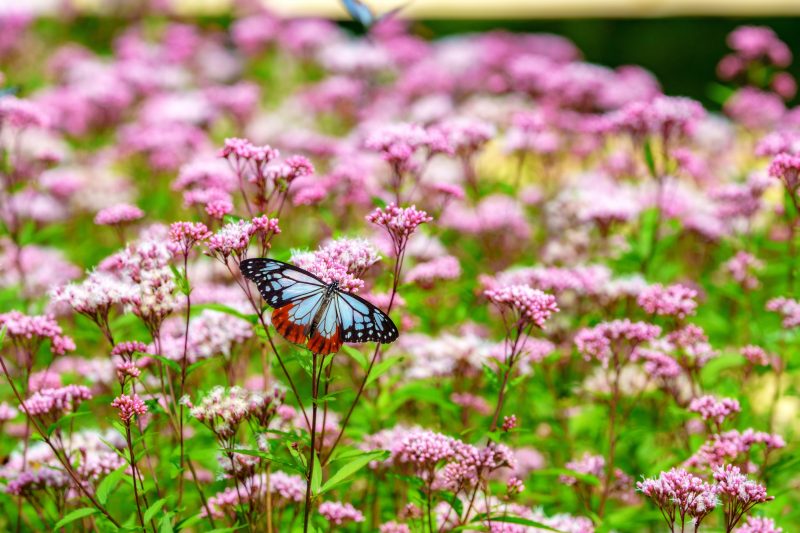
(314,313)
(361,13)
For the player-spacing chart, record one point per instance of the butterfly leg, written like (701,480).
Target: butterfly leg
(285,326)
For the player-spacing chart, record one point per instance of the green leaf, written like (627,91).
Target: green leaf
(64,421)
(316,476)
(585,478)
(269,457)
(201,363)
(165,524)
(77,514)
(181,280)
(169,362)
(356,356)
(649,221)
(109,483)
(382,368)
(192,520)
(228,310)
(378,202)
(649,160)
(351,468)
(513,520)
(154,509)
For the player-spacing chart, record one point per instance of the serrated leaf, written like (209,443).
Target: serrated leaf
(77,514)
(154,508)
(353,466)
(109,483)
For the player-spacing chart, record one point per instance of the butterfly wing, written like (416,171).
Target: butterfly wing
(295,294)
(361,321)
(360,12)
(280,283)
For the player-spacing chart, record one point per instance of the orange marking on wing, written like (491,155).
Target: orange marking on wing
(325,345)
(283,324)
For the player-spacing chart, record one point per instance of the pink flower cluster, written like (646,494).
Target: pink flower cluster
(714,409)
(342,260)
(399,222)
(680,495)
(618,338)
(118,215)
(528,305)
(338,513)
(743,268)
(789,308)
(731,446)
(29,332)
(428,273)
(129,407)
(185,235)
(673,300)
(786,167)
(755,524)
(56,402)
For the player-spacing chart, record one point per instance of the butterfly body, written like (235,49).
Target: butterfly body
(314,313)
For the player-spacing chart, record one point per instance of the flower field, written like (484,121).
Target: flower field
(595,284)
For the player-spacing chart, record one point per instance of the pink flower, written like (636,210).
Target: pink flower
(509,422)
(128,349)
(755,109)
(790,309)
(714,409)
(7,413)
(399,222)
(466,400)
(743,268)
(185,235)
(730,446)
(592,465)
(618,338)
(672,300)
(118,215)
(756,355)
(786,167)
(441,268)
(29,332)
(680,495)
(529,305)
(232,239)
(337,513)
(126,370)
(738,494)
(667,116)
(759,42)
(759,525)
(56,402)
(217,209)
(342,260)
(20,113)
(129,407)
